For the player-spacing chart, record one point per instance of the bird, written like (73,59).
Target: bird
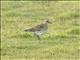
(40,29)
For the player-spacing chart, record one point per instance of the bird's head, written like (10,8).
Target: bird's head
(48,21)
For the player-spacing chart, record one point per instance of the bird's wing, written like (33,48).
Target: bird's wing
(36,28)
(39,27)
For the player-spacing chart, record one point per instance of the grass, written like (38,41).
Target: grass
(61,42)
(40,0)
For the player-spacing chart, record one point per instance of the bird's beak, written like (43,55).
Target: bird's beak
(50,22)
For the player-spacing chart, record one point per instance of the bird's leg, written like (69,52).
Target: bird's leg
(38,37)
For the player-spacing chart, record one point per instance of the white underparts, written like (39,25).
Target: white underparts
(40,32)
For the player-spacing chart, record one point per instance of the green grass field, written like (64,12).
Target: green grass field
(61,42)
(40,0)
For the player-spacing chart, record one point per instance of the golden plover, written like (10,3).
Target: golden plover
(39,29)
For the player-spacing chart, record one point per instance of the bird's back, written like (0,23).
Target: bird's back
(40,27)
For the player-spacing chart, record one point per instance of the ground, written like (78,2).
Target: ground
(61,42)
